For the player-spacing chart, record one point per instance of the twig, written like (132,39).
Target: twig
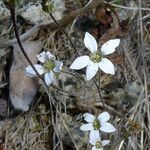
(130,8)
(63,31)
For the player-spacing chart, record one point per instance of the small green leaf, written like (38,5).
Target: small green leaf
(118,2)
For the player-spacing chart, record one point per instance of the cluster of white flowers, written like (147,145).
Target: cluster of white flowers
(93,62)
(50,67)
(95,125)
(96,60)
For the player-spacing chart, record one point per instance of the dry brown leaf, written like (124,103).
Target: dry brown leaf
(23,88)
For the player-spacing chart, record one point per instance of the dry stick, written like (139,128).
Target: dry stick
(63,31)
(129,8)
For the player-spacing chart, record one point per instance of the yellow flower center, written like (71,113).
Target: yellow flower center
(49,65)
(96,124)
(98,144)
(96,57)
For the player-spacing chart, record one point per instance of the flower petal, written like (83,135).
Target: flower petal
(49,55)
(49,78)
(107,127)
(107,66)
(103,117)
(58,66)
(42,57)
(91,70)
(31,73)
(94,148)
(80,62)
(87,127)
(105,142)
(89,117)
(94,137)
(109,46)
(90,42)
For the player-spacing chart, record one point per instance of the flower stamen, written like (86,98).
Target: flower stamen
(96,124)
(98,144)
(96,57)
(49,65)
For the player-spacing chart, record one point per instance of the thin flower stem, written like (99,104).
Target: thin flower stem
(13,17)
(99,85)
(63,31)
(99,92)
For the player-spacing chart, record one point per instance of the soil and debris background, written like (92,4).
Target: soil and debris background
(126,94)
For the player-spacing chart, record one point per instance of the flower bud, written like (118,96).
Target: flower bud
(47,6)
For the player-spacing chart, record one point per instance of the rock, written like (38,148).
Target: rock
(23,88)
(35,14)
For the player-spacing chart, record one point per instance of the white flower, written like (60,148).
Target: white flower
(50,67)
(96,59)
(97,123)
(95,140)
